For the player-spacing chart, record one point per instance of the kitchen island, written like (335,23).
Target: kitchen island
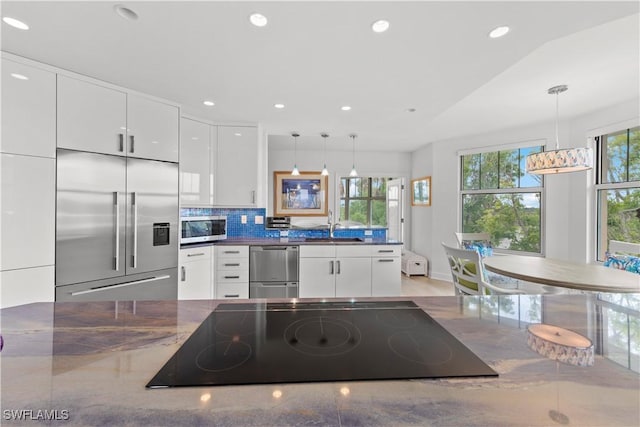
(88,364)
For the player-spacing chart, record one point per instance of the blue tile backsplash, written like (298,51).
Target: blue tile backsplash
(251,230)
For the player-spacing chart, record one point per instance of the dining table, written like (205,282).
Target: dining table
(565,274)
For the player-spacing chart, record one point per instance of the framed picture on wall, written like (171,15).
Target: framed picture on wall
(421,191)
(302,195)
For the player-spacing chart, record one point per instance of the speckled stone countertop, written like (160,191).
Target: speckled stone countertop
(88,364)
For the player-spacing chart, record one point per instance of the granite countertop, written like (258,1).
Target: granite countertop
(90,362)
(296,241)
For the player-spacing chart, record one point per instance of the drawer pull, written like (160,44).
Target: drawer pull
(231,277)
(184,274)
(232,295)
(385,251)
(236,264)
(198,254)
(231,252)
(385,260)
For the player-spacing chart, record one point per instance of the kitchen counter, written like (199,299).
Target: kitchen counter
(88,364)
(295,241)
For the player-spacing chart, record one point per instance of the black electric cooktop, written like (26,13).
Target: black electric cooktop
(267,343)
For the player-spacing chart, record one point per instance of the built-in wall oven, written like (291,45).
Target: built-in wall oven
(197,229)
(273,271)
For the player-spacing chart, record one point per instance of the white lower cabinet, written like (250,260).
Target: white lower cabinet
(231,272)
(353,271)
(385,271)
(316,271)
(195,278)
(27,285)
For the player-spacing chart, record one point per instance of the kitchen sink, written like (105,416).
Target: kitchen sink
(333,239)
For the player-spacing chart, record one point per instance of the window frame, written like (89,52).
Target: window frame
(369,198)
(600,246)
(506,190)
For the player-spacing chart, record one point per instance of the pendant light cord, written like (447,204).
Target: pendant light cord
(557,119)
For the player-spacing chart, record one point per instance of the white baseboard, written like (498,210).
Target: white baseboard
(441,276)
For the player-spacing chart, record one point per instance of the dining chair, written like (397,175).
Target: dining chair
(472,237)
(467,274)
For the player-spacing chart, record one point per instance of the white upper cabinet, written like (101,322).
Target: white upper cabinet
(236,166)
(103,120)
(28,110)
(197,151)
(152,129)
(91,117)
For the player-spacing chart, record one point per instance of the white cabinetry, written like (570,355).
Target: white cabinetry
(231,272)
(28,110)
(197,148)
(104,120)
(385,270)
(317,271)
(27,285)
(195,275)
(335,271)
(236,166)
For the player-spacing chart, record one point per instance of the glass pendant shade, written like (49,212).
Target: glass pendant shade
(353,168)
(325,171)
(295,171)
(559,160)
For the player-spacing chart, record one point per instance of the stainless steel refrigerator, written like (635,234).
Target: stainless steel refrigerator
(116,228)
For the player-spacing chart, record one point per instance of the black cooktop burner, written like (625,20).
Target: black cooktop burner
(306,342)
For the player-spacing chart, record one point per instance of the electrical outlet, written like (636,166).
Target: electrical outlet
(259,219)
(243,219)
(368,232)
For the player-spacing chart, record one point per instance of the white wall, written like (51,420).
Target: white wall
(372,163)
(569,215)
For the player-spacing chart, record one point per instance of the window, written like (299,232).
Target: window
(618,188)
(364,200)
(498,197)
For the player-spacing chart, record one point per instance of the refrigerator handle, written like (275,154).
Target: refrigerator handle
(131,137)
(134,202)
(116,207)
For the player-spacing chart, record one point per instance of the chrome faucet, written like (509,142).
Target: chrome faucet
(331,223)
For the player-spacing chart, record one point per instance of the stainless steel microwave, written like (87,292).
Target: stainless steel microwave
(203,229)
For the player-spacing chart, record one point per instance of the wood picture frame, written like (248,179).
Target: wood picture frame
(301,195)
(421,191)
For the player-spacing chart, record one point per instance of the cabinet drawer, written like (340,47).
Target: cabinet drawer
(232,251)
(353,251)
(386,250)
(226,276)
(232,264)
(232,290)
(195,254)
(317,251)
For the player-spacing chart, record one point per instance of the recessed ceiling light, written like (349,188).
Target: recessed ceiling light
(15,23)
(209,103)
(380,26)
(237,134)
(125,12)
(411,110)
(19,76)
(258,19)
(499,32)
(345,108)
(280,106)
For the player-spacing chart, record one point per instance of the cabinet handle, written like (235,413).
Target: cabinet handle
(385,260)
(121,140)
(253,196)
(231,277)
(232,265)
(134,202)
(184,274)
(116,207)
(337,267)
(385,251)
(132,139)
(331,263)
(231,252)
(198,254)
(232,295)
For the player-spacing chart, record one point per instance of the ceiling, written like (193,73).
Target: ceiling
(315,57)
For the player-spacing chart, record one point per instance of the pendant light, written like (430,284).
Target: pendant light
(295,171)
(559,160)
(324,172)
(353,168)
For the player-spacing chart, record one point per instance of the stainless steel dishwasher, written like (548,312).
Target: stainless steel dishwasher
(273,271)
